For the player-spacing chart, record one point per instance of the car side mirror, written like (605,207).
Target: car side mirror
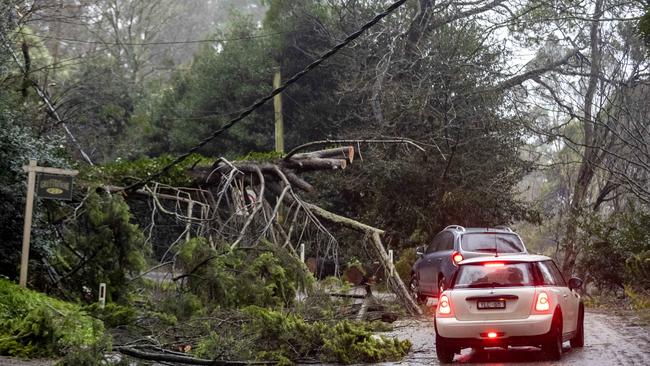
(419,252)
(575,283)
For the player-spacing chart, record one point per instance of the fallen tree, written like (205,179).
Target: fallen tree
(239,203)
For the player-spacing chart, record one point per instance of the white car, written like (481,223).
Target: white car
(513,300)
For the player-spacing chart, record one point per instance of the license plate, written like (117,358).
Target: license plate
(498,304)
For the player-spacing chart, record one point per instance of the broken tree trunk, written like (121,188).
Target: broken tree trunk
(395,283)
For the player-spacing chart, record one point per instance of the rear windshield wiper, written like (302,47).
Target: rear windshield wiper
(486,250)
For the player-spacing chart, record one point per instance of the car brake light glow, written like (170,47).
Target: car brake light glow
(542,302)
(456,257)
(444,306)
(493,264)
(492,334)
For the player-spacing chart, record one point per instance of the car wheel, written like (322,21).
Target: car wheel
(413,288)
(553,346)
(444,351)
(578,341)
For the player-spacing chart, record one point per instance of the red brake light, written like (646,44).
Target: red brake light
(444,306)
(493,264)
(492,334)
(456,257)
(542,302)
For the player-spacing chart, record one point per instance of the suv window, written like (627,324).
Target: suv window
(550,274)
(480,275)
(446,241)
(434,243)
(492,242)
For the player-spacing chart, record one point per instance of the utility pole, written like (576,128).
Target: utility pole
(279,123)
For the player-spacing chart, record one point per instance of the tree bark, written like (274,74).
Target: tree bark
(587,165)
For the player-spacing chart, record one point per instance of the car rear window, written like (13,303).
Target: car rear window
(493,274)
(492,242)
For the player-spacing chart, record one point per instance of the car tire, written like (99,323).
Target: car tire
(553,346)
(578,341)
(413,288)
(444,351)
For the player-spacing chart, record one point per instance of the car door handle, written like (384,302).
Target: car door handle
(565,296)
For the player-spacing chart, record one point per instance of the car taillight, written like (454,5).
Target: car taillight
(494,264)
(542,302)
(456,257)
(444,306)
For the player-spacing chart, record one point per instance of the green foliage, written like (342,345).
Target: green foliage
(220,81)
(638,267)
(264,276)
(113,315)
(261,156)
(644,27)
(17,145)
(34,325)
(181,305)
(125,172)
(616,251)
(350,343)
(287,338)
(404,264)
(101,246)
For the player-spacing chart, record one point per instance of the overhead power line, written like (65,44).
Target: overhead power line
(270,96)
(153,43)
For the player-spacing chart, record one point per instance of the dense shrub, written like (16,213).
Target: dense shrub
(263,276)
(615,251)
(17,145)
(35,325)
(101,246)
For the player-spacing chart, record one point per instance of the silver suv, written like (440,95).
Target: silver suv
(438,262)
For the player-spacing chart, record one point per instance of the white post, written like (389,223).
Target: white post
(390,256)
(302,252)
(27,228)
(188,226)
(102,295)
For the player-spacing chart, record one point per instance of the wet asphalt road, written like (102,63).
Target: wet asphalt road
(609,340)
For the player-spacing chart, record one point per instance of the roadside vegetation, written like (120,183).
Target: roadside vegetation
(474,113)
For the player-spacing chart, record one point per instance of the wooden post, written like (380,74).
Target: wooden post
(279,123)
(31,170)
(302,252)
(188,226)
(27,227)
(102,295)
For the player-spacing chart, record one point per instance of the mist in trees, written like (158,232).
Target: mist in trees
(508,97)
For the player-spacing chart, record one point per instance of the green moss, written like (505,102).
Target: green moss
(261,156)
(35,325)
(123,172)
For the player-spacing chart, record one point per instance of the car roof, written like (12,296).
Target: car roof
(507,258)
(473,230)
